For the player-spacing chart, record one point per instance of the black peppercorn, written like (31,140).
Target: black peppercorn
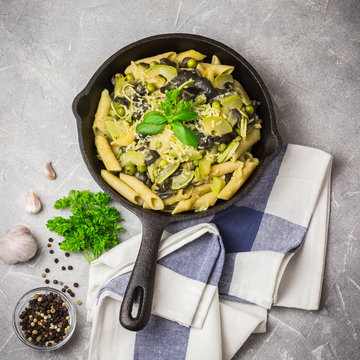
(63,268)
(67,254)
(51,239)
(47,270)
(70,267)
(51,251)
(55,281)
(56,260)
(76,284)
(47,281)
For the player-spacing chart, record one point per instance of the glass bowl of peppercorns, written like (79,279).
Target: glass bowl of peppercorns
(44,319)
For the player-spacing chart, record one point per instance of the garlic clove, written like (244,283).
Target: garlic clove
(32,203)
(49,172)
(17,245)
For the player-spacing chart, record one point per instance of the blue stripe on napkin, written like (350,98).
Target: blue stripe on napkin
(238,227)
(200,260)
(227,273)
(117,285)
(161,339)
(278,234)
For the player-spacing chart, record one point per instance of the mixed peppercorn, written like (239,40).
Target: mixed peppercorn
(46,320)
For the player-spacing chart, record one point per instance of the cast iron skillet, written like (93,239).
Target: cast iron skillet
(141,285)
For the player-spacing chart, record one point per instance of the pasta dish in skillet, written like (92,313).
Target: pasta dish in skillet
(175,134)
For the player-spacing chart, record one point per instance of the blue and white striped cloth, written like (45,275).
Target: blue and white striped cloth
(216,277)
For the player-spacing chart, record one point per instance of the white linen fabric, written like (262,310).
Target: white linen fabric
(216,281)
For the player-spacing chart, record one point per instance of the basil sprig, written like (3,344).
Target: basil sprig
(175,113)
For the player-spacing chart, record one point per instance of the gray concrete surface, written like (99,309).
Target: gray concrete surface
(307,52)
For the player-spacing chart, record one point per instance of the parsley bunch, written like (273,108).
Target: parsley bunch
(175,113)
(92,228)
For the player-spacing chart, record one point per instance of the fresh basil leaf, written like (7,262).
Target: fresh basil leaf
(149,129)
(185,135)
(185,115)
(154,118)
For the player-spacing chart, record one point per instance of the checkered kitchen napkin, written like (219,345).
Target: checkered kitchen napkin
(216,277)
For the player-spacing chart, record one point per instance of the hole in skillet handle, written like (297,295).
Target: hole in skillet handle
(137,301)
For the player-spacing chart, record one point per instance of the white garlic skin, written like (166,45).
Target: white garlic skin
(17,245)
(32,203)
(49,172)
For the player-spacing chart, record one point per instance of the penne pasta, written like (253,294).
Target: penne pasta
(209,74)
(216,69)
(107,156)
(238,178)
(215,60)
(122,188)
(180,195)
(190,54)
(244,145)
(150,198)
(183,205)
(101,112)
(204,202)
(157,58)
(225,168)
(138,71)
(201,189)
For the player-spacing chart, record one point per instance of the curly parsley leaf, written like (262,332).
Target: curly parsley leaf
(92,228)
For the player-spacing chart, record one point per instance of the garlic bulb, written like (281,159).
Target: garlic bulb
(17,245)
(49,172)
(32,203)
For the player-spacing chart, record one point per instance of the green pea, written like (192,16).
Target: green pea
(216,104)
(112,113)
(151,88)
(158,144)
(153,63)
(201,99)
(162,163)
(130,169)
(249,109)
(141,168)
(222,147)
(191,63)
(130,77)
(120,111)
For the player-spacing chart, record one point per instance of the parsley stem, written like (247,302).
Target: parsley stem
(87,256)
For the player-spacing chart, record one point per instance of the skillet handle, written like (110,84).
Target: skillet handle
(140,288)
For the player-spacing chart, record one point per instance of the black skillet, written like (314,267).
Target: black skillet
(141,285)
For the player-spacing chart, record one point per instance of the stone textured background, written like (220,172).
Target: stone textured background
(307,52)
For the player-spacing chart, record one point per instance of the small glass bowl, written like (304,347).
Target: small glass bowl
(24,302)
